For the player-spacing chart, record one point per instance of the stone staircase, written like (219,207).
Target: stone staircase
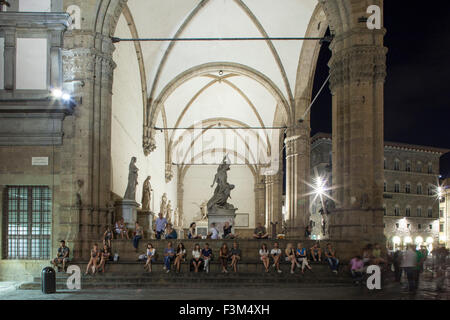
(129,272)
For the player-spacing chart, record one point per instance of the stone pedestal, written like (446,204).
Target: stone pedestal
(219,216)
(145,220)
(127,209)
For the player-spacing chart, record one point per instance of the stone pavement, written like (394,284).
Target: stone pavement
(391,291)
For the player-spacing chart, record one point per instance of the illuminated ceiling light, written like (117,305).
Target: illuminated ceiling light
(57,93)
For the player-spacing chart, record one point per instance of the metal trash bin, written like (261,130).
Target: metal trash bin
(48,280)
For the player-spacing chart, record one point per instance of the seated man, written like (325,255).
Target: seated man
(260,232)
(171,232)
(62,257)
(213,232)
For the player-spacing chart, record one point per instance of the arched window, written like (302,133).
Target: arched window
(419,166)
(419,189)
(396,211)
(408,187)
(385,186)
(430,167)
(408,166)
(430,212)
(397,187)
(408,212)
(397,164)
(419,211)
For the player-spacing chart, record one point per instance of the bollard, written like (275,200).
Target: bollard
(48,280)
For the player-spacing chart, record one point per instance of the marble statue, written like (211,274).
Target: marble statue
(130,193)
(146,194)
(169,212)
(163,206)
(223,188)
(176,217)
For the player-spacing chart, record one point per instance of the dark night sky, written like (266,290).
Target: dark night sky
(417,89)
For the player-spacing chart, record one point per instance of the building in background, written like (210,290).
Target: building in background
(411,202)
(444,212)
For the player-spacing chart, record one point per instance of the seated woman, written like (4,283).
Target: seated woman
(121,229)
(108,235)
(171,233)
(105,253)
(192,234)
(196,257)
(227,234)
(290,257)
(316,252)
(301,256)
(235,256)
(179,256)
(264,256)
(150,257)
(93,260)
(276,256)
(169,254)
(224,255)
(138,232)
(207,256)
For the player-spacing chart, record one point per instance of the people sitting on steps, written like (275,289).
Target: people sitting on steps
(171,233)
(169,254)
(105,254)
(275,253)
(224,256)
(264,256)
(196,260)
(93,260)
(121,229)
(207,256)
(192,233)
(62,257)
(213,232)
(316,252)
(151,257)
(235,256)
(160,225)
(260,232)
(302,258)
(330,256)
(227,233)
(108,235)
(180,256)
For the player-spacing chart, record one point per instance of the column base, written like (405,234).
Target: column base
(127,209)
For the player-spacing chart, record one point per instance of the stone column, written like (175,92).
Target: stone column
(297,172)
(88,68)
(260,200)
(358,71)
(273,202)
(180,195)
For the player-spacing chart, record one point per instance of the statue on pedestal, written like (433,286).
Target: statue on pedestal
(146,194)
(130,193)
(176,217)
(223,189)
(169,212)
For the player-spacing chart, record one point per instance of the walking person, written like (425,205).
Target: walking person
(409,265)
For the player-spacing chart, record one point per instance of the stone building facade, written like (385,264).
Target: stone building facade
(444,212)
(410,203)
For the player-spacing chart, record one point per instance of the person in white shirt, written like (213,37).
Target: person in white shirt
(264,256)
(213,232)
(409,265)
(196,257)
(150,257)
(276,255)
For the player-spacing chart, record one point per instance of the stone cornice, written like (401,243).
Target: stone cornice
(33,20)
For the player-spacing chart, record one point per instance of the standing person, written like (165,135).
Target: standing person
(290,257)
(264,256)
(192,234)
(301,256)
(357,269)
(108,235)
(409,265)
(440,265)
(93,260)
(150,257)
(419,268)
(62,257)
(196,257)
(235,255)
(397,260)
(160,225)
(213,232)
(316,252)
(105,253)
(260,232)
(179,256)
(169,254)
(276,255)
(330,255)
(137,236)
(206,256)
(224,255)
